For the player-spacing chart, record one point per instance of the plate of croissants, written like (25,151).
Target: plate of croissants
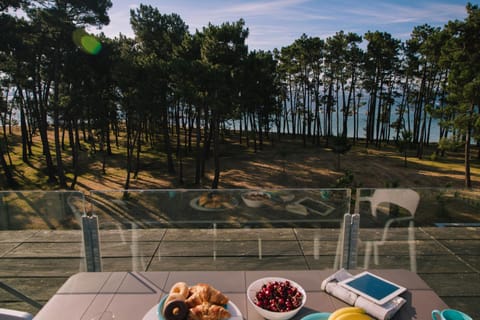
(198,302)
(214,201)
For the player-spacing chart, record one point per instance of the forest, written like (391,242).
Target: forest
(179,92)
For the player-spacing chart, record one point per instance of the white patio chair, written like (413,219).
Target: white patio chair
(404,198)
(9,314)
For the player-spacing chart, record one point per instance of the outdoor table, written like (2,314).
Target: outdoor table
(134,295)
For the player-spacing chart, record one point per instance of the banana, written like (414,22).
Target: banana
(346,310)
(353,316)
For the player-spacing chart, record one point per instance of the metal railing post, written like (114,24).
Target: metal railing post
(349,241)
(91,243)
(353,241)
(345,240)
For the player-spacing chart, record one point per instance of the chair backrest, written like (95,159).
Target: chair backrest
(405,198)
(9,314)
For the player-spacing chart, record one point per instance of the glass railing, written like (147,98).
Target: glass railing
(46,236)
(401,227)
(431,231)
(41,245)
(221,229)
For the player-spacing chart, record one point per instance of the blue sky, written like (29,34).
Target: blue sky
(277,23)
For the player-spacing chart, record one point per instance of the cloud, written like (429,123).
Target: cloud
(261,8)
(281,11)
(386,13)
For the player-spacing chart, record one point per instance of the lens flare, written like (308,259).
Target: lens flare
(86,42)
(91,44)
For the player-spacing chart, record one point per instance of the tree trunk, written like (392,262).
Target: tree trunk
(108,143)
(23,127)
(137,156)
(7,171)
(253,129)
(5,138)
(43,130)
(166,137)
(75,164)
(129,157)
(216,158)
(40,98)
(468,180)
(199,152)
(58,147)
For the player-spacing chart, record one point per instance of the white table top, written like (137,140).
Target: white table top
(132,295)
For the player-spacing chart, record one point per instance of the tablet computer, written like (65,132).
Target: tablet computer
(372,287)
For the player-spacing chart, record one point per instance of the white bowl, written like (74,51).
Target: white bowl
(250,201)
(255,286)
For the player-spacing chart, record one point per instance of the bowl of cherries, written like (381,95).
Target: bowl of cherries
(276,298)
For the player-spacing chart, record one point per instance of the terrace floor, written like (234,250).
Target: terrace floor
(37,262)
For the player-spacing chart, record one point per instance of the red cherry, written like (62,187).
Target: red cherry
(279,296)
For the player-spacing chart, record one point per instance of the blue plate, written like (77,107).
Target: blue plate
(317,316)
(160,308)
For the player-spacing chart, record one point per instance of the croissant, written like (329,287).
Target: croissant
(202,293)
(207,311)
(202,200)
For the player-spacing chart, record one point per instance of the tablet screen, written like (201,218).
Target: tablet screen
(373,287)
